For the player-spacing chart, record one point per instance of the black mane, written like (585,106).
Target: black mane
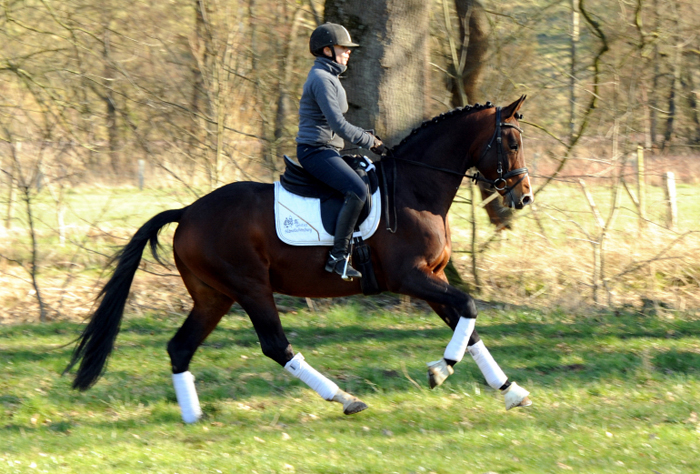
(467,109)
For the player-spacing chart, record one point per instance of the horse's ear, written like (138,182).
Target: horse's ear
(509,111)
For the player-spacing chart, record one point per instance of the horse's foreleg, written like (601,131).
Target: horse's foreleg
(463,328)
(274,344)
(455,307)
(439,370)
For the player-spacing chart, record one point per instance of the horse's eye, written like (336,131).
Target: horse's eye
(514,147)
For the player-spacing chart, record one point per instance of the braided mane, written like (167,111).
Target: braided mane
(466,110)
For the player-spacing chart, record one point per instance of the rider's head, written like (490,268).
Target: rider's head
(332,41)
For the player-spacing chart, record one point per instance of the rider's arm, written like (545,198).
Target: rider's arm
(327,95)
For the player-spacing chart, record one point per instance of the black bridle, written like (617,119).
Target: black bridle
(497,135)
(500,183)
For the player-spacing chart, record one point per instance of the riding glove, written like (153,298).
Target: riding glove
(378,147)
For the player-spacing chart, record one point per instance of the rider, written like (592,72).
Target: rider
(322,129)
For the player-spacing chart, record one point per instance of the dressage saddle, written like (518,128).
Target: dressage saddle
(297,180)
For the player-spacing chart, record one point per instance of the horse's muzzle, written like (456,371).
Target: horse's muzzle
(511,200)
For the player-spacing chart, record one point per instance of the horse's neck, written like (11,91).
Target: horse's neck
(425,188)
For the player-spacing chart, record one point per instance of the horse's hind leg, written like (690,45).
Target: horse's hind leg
(438,371)
(210,306)
(262,311)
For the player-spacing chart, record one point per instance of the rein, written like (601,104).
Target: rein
(500,181)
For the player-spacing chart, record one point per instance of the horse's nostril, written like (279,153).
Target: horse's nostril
(526,200)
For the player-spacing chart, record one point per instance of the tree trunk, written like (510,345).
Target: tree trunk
(284,106)
(689,90)
(653,93)
(474,33)
(111,109)
(198,98)
(387,77)
(467,65)
(572,79)
(672,95)
(203,90)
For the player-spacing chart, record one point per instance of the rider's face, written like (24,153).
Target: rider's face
(342,54)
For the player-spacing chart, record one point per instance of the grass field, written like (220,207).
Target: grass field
(612,392)
(615,389)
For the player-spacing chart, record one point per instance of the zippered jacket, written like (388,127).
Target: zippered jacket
(321,108)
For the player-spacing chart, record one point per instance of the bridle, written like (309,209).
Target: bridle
(500,183)
(501,180)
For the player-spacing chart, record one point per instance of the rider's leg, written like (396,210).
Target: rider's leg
(338,258)
(326,165)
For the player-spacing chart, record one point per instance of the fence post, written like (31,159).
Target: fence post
(142,168)
(641,192)
(670,194)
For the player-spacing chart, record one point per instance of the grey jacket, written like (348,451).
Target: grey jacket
(323,103)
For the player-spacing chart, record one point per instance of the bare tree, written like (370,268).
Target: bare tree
(387,79)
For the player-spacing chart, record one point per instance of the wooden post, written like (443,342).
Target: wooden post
(142,168)
(671,207)
(589,197)
(641,193)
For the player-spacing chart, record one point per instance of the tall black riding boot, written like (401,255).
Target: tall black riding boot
(339,258)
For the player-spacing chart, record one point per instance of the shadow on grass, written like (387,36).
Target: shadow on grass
(229,365)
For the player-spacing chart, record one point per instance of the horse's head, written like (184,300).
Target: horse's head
(501,160)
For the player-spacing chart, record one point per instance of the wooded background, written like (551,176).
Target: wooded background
(194,94)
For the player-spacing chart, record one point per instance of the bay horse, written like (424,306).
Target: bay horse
(227,251)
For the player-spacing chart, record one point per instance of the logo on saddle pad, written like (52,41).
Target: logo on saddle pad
(293,226)
(298,219)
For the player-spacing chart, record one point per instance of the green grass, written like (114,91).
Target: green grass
(612,393)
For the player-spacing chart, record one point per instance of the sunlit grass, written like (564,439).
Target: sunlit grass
(611,394)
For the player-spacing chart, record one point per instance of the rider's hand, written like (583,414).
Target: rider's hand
(378,147)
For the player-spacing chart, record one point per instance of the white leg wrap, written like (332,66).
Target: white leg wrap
(187,397)
(492,372)
(458,344)
(299,368)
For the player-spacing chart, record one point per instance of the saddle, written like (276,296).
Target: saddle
(297,180)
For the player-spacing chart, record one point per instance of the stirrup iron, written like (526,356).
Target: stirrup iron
(332,267)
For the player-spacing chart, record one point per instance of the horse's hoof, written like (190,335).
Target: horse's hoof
(355,407)
(516,396)
(438,372)
(351,404)
(525,403)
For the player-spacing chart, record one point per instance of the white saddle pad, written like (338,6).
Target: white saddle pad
(298,219)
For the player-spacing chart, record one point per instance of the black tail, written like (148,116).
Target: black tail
(97,340)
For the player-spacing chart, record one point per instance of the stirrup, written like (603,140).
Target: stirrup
(347,273)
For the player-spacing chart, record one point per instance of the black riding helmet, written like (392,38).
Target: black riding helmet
(329,34)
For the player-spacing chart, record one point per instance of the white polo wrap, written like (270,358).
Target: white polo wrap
(492,372)
(458,344)
(187,397)
(299,368)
